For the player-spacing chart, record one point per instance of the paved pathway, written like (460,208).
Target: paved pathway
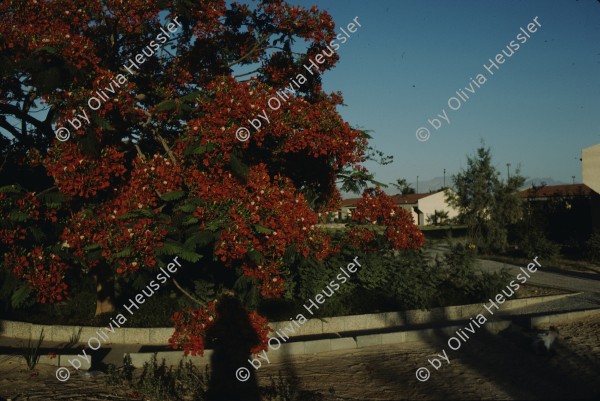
(565,281)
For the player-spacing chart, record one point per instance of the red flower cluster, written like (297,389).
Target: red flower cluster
(377,208)
(44,272)
(191,326)
(268,218)
(76,174)
(149,179)
(128,243)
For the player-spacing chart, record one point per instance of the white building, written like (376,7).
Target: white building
(423,206)
(420,206)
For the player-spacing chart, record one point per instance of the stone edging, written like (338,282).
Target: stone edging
(334,344)
(362,341)
(160,336)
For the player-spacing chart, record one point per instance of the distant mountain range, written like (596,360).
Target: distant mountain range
(436,183)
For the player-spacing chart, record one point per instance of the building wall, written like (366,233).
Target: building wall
(346,212)
(590,168)
(410,209)
(433,202)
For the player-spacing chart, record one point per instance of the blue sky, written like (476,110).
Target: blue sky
(410,56)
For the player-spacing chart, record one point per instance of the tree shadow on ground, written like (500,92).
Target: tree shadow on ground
(232,336)
(506,361)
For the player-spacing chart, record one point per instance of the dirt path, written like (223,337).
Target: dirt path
(485,367)
(19,384)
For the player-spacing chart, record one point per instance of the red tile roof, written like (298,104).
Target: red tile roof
(349,202)
(556,191)
(408,199)
(398,199)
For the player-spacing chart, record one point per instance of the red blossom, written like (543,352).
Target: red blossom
(377,208)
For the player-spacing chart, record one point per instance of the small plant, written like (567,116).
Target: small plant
(121,375)
(283,389)
(73,339)
(31,353)
(157,381)
(184,382)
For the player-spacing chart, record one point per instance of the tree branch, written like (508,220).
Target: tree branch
(187,294)
(247,73)
(167,148)
(256,46)
(14,110)
(5,124)
(139,151)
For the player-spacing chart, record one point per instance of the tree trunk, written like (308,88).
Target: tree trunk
(105,289)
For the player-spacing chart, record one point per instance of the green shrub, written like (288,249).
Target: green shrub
(533,242)
(592,248)
(462,282)
(400,281)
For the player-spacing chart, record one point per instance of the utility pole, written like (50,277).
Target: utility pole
(417,184)
(444,178)
(508,170)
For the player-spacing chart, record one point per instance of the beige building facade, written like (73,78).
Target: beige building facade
(590,172)
(420,206)
(590,167)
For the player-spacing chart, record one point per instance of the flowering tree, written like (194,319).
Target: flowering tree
(153,167)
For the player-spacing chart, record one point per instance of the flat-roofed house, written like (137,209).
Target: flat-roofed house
(568,209)
(590,171)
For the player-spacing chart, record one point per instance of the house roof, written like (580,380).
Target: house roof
(557,191)
(408,199)
(349,202)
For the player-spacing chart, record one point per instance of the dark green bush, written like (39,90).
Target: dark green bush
(592,248)
(533,242)
(388,282)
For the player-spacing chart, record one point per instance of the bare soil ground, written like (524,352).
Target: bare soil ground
(488,367)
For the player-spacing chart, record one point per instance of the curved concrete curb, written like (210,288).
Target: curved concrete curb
(332,325)
(312,347)
(362,341)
